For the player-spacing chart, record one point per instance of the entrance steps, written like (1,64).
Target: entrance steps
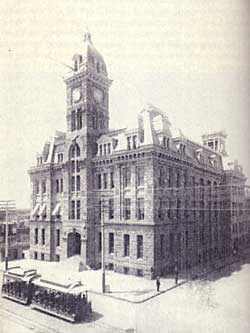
(74,264)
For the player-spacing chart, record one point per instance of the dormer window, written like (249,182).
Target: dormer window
(198,154)
(109,149)
(129,143)
(134,142)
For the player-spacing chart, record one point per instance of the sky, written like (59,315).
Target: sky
(187,57)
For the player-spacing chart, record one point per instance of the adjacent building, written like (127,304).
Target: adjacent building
(18,234)
(164,199)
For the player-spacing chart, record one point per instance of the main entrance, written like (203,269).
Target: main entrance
(73,244)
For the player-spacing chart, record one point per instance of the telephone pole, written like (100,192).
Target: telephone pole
(103,246)
(7,206)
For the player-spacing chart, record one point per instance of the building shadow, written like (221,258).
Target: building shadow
(228,270)
(92,317)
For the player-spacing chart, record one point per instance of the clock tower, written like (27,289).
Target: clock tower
(87,87)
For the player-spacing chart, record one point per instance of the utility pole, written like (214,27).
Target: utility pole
(103,246)
(7,206)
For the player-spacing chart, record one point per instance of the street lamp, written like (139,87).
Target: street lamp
(7,206)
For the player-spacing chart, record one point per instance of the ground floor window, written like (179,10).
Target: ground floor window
(126,245)
(35,255)
(57,257)
(111,243)
(111,266)
(125,270)
(42,256)
(139,246)
(139,272)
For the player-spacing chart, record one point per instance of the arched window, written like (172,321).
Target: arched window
(75,179)
(74,151)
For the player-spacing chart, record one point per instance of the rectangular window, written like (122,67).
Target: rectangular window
(139,272)
(100,209)
(126,177)
(202,211)
(37,187)
(194,209)
(140,175)
(160,211)
(78,183)
(72,210)
(111,209)
(57,257)
(43,236)
(112,184)
(161,177)
(125,270)
(73,121)
(186,209)
(44,186)
(61,185)
(105,181)
(99,181)
(78,209)
(100,242)
(42,256)
(58,237)
(162,245)
(57,185)
(178,211)
(36,235)
(126,245)
(73,167)
(111,242)
(73,183)
(35,255)
(140,208)
(129,142)
(186,239)
(170,178)
(134,142)
(127,208)
(109,148)
(77,166)
(139,246)
(185,180)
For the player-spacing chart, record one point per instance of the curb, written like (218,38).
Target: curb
(142,301)
(197,276)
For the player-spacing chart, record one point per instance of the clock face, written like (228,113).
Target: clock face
(76,95)
(98,95)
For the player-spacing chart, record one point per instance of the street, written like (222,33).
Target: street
(217,304)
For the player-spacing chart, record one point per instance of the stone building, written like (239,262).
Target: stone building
(162,197)
(18,234)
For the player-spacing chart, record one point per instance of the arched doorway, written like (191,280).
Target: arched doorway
(73,244)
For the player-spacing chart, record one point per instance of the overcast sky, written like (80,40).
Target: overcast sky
(188,57)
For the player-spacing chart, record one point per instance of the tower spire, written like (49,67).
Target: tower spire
(87,36)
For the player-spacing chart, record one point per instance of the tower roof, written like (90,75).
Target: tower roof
(90,57)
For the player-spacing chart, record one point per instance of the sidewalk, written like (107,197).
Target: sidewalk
(124,287)
(128,288)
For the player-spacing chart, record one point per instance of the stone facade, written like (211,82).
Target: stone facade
(164,199)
